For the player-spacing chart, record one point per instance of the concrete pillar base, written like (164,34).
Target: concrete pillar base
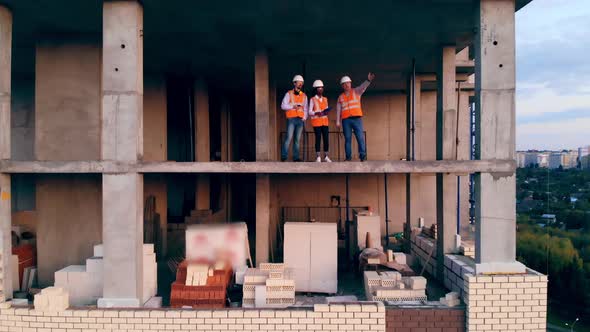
(118,303)
(500,268)
(5,239)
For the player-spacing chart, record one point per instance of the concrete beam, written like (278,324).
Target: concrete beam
(495,239)
(122,233)
(122,81)
(262,96)
(5,80)
(262,218)
(446,149)
(393,166)
(5,238)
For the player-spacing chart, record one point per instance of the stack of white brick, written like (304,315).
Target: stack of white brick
(362,317)
(467,249)
(456,267)
(84,283)
(391,286)
(506,302)
(52,299)
(269,286)
(422,248)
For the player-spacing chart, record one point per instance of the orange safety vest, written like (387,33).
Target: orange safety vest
(296,99)
(316,120)
(351,105)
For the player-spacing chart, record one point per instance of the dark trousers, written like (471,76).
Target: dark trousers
(322,132)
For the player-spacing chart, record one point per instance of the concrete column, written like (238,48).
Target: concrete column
(225,129)
(5,238)
(122,230)
(5,76)
(202,143)
(263,153)
(5,199)
(122,140)
(262,218)
(272,127)
(446,184)
(495,87)
(262,96)
(122,81)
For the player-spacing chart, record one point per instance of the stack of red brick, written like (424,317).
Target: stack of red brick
(213,295)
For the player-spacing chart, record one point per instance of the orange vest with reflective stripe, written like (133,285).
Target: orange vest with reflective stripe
(316,120)
(296,99)
(350,105)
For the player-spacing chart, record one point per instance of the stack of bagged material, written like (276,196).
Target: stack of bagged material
(271,285)
(52,299)
(84,283)
(391,286)
(201,285)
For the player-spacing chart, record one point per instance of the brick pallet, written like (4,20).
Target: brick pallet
(269,286)
(213,295)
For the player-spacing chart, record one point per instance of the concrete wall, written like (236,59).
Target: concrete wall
(23,119)
(67,101)
(155,140)
(69,221)
(364,190)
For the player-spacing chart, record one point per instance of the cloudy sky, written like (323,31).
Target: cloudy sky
(553,74)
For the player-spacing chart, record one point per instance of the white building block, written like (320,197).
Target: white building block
(98,250)
(400,257)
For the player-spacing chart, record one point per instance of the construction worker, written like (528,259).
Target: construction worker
(348,110)
(318,108)
(295,106)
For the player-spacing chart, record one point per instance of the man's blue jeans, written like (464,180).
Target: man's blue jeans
(350,125)
(294,127)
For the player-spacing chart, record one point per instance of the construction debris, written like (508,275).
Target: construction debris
(451,299)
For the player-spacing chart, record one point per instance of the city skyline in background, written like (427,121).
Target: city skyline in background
(553,93)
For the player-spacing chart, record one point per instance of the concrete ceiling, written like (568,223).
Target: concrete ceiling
(319,39)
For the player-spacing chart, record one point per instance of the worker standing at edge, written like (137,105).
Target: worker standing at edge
(295,106)
(349,111)
(318,106)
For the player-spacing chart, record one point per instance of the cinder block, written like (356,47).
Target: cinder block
(98,250)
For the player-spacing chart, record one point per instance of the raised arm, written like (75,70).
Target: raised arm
(363,87)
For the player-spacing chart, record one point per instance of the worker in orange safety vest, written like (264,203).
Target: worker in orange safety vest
(349,111)
(318,108)
(295,106)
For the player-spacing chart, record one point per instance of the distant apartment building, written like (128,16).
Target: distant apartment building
(570,159)
(584,157)
(555,160)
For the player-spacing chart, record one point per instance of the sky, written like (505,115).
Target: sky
(553,75)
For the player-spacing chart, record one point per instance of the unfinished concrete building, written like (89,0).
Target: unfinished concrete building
(106,105)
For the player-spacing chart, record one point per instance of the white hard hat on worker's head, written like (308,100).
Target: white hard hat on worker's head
(297,78)
(345,79)
(318,84)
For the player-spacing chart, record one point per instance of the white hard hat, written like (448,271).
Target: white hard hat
(297,78)
(318,84)
(345,79)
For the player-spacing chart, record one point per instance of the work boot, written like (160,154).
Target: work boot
(318,159)
(297,160)
(363,158)
(283,159)
(327,159)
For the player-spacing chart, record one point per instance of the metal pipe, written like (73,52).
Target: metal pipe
(413,117)
(386,211)
(458,204)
